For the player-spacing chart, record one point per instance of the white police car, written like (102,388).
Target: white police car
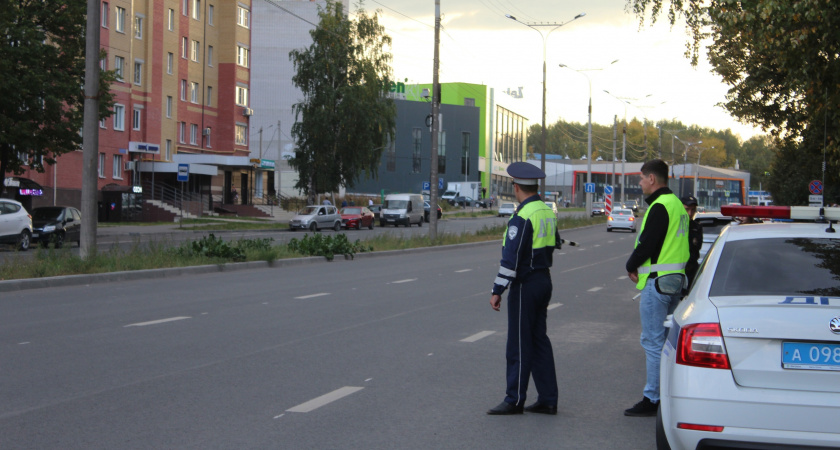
(752,358)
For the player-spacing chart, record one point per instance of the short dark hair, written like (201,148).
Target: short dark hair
(528,188)
(658,168)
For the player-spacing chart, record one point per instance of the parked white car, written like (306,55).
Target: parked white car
(315,217)
(15,224)
(752,357)
(621,218)
(507,209)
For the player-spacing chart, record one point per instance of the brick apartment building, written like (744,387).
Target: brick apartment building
(183,96)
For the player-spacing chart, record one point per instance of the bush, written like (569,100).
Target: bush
(327,246)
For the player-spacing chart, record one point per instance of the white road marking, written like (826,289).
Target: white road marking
(368,380)
(610,242)
(477,336)
(404,281)
(23,343)
(554,305)
(304,297)
(277,417)
(562,253)
(430,354)
(597,245)
(595,289)
(155,322)
(463,270)
(623,277)
(325,399)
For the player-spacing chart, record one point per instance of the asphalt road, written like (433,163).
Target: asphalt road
(396,351)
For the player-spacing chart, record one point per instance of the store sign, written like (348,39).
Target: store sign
(143,147)
(31,192)
(11,182)
(267,164)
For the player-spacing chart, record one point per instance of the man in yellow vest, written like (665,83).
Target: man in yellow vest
(529,241)
(661,248)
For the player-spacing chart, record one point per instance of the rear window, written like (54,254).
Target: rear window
(778,266)
(622,212)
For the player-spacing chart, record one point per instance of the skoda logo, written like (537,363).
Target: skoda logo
(834,325)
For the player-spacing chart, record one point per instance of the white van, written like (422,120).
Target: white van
(405,209)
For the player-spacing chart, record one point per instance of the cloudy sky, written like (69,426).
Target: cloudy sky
(480,45)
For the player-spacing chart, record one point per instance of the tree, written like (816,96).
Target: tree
(42,65)
(345,119)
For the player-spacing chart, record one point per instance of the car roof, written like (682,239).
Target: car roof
(777,230)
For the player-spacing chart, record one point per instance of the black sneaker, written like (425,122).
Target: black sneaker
(644,408)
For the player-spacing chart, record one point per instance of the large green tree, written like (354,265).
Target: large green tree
(345,119)
(42,66)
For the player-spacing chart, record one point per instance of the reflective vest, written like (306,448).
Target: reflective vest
(674,253)
(543,222)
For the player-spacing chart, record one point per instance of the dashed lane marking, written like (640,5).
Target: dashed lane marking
(304,297)
(554,305)
(595,289)
(463,270)
(477,336)
(325,399)
(623,277)
(404,281)
(155,322)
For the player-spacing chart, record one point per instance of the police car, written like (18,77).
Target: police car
(752,358)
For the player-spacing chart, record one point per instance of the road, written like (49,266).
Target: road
(395,351)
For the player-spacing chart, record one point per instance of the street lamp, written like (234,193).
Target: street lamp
(623,142)
(589,137)
(697,169)
(685,159)
(534,25)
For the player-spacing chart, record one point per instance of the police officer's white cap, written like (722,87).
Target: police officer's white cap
(525,174)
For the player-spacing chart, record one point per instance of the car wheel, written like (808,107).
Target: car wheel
(661,439)
(359,224)
(337,226)
(24,240)
(292,229)
(420,223)
(59,240)
(372,222)
(609,229)
(313,227)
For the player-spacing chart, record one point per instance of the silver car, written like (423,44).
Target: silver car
(315,217)
(507,209)
(15,224)
(621,219)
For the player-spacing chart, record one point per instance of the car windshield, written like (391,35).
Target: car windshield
(778,266)
(47,213)
(622,212)
(597,205)
(351,211)
(396,204)
(507,205)
(309,211)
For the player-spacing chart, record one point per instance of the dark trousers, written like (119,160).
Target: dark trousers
(529,351)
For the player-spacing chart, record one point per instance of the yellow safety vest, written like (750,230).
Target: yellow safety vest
(543,222)
(675,252)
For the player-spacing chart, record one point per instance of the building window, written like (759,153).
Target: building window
(118,167)
(442,153)
(184,47)
(170,62)
(119,117)
(182,131)
(135,123)
(138,72)
(101,168)
(241,134)
(103,63)
(193,92)
(185,6)
(105,12)
(168,148)
(391,153)
(207,137)
(210,55)
(194,49)
(196,9)
(417,138)
(102,123)
(120,20)
(170,22)
(243,17)
(183,90)
(210,15)
(169,106)
(465,153)
(138,27)
(241,96)
(209,101)
(193,134)
(119,67)
(242,55)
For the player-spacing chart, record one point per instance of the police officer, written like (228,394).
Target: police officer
(529,241)
(695,238)
(661,248)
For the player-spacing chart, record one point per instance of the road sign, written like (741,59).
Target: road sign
(608,190)
(608,204)
(815,187)
(815,199)
(589,188)
(183,172)
(440,183)
(427,186)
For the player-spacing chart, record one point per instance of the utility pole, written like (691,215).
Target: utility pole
(90,132)
(615,143)
(433,182)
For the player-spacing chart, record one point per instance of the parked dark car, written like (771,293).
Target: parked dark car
(462,201)
(56,225)
(482,203)
(375,209)
(426,208)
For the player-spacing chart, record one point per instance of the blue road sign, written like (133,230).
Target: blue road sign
(816,187)
(183,172)
(427,186)
(440,183)
(589,188)
(608,190)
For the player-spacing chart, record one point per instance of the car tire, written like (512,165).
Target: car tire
(24,241)
(420,223)
(661,438)
(359,224)
(59,240)
(337,226)
(372,222)
(609,230)
(292,229)
(313,227)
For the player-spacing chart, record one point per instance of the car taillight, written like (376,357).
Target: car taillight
(698,427)
(632,219)
(701,345)
(609,218)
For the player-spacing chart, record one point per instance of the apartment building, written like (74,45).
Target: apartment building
(182,97)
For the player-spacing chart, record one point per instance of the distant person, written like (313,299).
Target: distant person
(343,203)
(326,202)
(661,248)
(695,238)
(370,202)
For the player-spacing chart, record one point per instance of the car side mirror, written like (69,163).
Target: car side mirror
(671,284)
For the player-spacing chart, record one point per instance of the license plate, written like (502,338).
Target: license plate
(34,234)
(390,220)
(810,356)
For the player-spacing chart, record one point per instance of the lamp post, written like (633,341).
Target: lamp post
(685,159)
(554,26)
(697,169)
(589,137)
(623,142)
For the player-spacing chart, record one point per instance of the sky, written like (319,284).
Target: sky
(478,44)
